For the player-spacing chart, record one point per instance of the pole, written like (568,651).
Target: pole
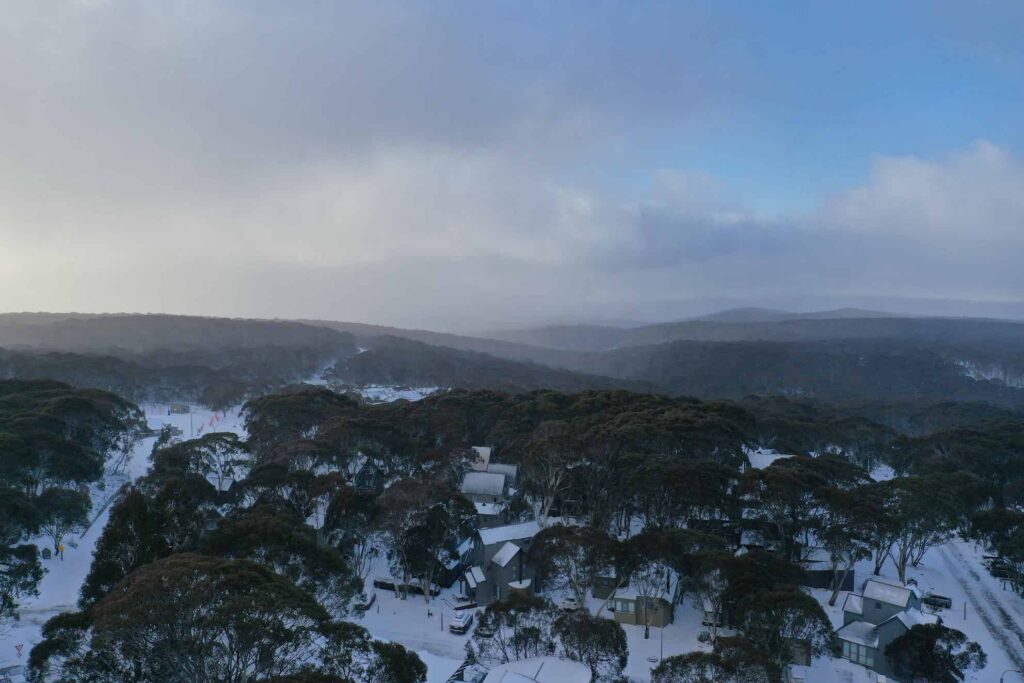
(661,655)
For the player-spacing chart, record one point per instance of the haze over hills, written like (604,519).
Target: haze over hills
(836,355)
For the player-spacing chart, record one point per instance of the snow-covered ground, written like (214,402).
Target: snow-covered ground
(386,394)
(58,591)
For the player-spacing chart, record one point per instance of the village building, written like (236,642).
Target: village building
(630,607)
(880,614)
(498,565)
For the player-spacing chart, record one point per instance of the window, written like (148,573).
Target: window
(861,654)
(624,606)
(878,605)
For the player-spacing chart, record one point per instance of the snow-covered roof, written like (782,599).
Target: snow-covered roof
(505,554)
(540,670)
(860,632)
(483,453)
(854,604)
(891,593)
(510,532)
(489,509)
(914,617)
(487,483)
(464,547)
(501,468)
(631,593)
(474,576)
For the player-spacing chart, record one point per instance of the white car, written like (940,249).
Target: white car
(569,604)
(461,622)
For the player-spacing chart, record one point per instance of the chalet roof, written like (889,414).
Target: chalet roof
(483,453)
(486,483)
(860,632)
(505,554)
(854,604)
(890,593)
(501,468)
(540,670)
(913,617)
(510,532)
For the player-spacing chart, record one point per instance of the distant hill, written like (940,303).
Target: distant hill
(393,360)
(216,361)
(764,315)
(133,333)
(805,328)
(495,347)
(834,370)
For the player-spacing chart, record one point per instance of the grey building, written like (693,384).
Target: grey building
(497,563)
(880,614)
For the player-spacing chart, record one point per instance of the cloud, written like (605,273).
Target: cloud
(393,163)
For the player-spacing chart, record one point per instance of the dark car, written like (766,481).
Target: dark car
(937,601)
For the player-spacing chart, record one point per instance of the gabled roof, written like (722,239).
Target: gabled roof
(913,617)
(500,468)
(505,554)
(540,670)
(511,532)
(890,593)
(854,604)
(487,483)
(860,632)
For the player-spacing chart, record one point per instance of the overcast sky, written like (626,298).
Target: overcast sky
(465,164)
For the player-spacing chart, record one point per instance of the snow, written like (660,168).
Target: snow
(505,554)
(377,393)
(58,591)
(763,457)
(511,532)
(489,509)
(540,670)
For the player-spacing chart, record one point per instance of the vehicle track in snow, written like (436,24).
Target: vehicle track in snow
(987,607)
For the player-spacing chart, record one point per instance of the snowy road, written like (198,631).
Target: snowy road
(993,608)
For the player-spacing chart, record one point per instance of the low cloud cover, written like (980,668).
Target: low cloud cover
(463,165)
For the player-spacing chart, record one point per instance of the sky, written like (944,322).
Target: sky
(465,165)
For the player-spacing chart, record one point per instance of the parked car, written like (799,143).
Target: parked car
(937,601)
(461,622)
(570,604)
